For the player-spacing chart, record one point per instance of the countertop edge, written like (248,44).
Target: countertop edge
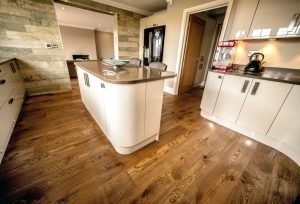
(125,82)
(257,77)
(6,60)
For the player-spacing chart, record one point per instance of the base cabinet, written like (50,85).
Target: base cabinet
(264,110)
(128,114)
(211,91)
(11,99)
(286,126)
(232,96)
(262,105)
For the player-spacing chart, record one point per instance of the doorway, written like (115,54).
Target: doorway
(87,34)
(203,33)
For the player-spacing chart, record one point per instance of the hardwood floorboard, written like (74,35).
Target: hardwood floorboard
(58,154)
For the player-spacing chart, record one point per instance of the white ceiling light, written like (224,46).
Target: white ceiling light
(63,8)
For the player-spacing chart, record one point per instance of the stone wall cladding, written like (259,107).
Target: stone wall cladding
(25,25)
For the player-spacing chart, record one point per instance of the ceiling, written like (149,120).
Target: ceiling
(81,18)
(145,7)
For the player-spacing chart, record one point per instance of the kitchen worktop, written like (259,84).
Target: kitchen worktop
(126,75)
(5,60)
(290,76)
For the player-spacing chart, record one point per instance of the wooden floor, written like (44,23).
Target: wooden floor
(58,154)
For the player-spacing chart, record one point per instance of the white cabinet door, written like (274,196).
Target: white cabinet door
(154,99)
(211,91)
(241,18)
(125,113)
(82,84)
(97,93)
(273,17)
(232,96)
(262,105)
(286,127)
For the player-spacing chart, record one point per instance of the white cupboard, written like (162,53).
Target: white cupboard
(128,114)
(262,105)
(232,96)
(267,111)
(286,127)
(211,91)
(11,99)
(241,18)
(92,91)
(273,17)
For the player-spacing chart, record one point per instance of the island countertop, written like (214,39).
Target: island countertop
(126,75)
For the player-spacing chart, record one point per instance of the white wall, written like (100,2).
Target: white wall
(104,44)
(78,41)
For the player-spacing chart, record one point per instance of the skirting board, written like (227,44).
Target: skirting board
(282,147)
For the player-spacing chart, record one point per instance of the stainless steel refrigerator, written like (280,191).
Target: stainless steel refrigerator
(153,44)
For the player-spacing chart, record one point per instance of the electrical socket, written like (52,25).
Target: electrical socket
(251,52)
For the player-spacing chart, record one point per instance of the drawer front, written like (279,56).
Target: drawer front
(8,115)
(6,88)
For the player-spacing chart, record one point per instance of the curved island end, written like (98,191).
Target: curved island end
(126,102)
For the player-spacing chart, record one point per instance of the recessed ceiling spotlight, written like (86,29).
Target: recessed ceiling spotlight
(63,8)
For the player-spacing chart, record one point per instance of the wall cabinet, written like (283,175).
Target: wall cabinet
(232,96)
(286,126)
(11,99)
(264,19)
(262,104)
(273,17)
(241,18)
(211,91)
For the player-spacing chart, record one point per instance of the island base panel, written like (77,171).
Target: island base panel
(129,150)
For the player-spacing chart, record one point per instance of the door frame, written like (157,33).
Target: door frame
(184,29)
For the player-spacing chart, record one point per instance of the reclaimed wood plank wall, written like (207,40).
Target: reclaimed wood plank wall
(25,27)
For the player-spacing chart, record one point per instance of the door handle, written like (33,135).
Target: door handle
(245,86)
(255,87)
(219,77)
(10,101)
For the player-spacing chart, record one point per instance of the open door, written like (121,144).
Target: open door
(192,50)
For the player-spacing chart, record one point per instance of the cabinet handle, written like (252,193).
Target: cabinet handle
(10,101)
(245,86)
(255,87)
(86,79)
(2,81)
(219,77)
(102,85)
(13,69)
(293,22)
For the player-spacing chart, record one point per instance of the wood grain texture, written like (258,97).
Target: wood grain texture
(57,154)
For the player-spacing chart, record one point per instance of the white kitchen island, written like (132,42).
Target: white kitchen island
(126,103)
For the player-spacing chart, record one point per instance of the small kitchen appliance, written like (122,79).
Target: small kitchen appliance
(224,55)
(255,62)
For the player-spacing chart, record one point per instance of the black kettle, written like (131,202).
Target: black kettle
(255,62)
